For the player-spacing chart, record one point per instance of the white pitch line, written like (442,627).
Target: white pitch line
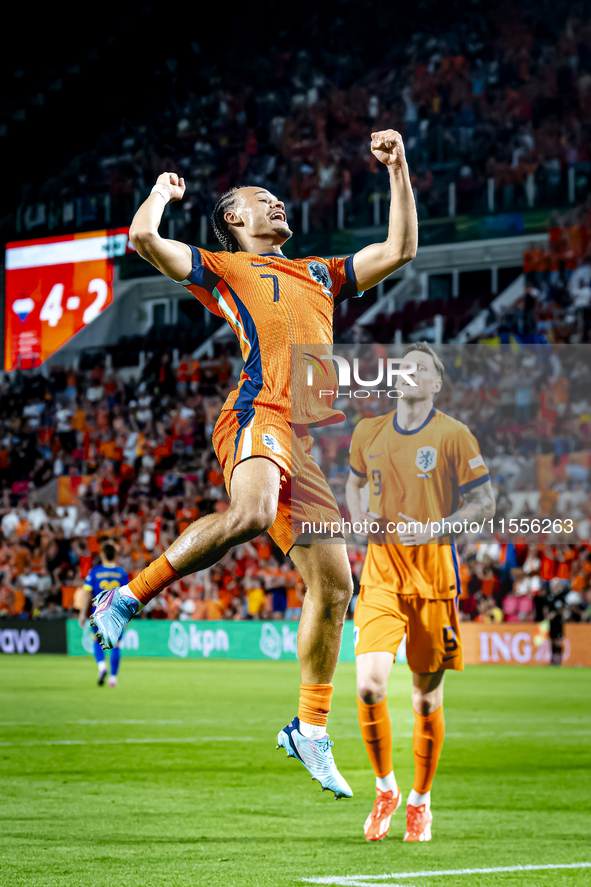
(400,735)
(346,882)
(481,734)
(370,880)
(128,741)
(125,721)
(83,722)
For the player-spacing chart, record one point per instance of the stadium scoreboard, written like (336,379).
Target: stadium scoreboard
(55,286)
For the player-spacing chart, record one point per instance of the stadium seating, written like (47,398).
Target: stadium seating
(87,456)
(500,113)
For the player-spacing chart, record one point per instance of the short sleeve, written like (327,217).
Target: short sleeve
(344,285)
(356,458)
(207,271)
(470,470)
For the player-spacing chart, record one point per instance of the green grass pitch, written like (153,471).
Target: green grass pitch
(172,778)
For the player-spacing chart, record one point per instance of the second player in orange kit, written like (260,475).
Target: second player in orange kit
(421,467)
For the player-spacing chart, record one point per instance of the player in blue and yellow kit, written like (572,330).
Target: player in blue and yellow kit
(105,577)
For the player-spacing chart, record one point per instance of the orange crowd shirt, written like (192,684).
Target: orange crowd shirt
(272,303)
(422,474)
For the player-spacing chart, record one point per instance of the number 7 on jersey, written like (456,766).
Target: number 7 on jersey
(275,280)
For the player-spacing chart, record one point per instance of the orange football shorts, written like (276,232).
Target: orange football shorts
(304,496)
(433,640)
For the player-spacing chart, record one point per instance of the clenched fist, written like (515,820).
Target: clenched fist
(387,146)
(172,183)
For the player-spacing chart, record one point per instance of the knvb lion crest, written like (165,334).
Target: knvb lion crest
(319,273)
(426,458)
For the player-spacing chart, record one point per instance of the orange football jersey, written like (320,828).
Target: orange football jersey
(422,474)
(272,303)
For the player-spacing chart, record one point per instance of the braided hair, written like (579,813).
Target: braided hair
(220,226)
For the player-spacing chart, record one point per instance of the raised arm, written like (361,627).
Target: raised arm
(170,256)
(376,262)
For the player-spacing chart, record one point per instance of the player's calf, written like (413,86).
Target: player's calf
(252,511)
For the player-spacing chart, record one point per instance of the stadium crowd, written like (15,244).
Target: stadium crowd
(87,456)
(556,305)
(496,97)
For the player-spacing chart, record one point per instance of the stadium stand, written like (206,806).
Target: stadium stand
(86,456)
(500,108)
(495,117)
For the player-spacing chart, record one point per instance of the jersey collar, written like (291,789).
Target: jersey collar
(414,430)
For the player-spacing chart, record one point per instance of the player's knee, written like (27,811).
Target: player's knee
(336,588)
(343,590)
(329,585)
(370,689)
(249,522)
(261,517)
(336,596)
(426,702)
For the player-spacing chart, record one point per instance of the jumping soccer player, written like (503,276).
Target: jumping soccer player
(103,579)
(261,439)
(419,463)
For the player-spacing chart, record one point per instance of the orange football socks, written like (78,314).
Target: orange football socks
(376,730)
(315,703)
(427,742)
(154,579)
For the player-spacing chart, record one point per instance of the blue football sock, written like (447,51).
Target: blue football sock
(99,653)
(115,659)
